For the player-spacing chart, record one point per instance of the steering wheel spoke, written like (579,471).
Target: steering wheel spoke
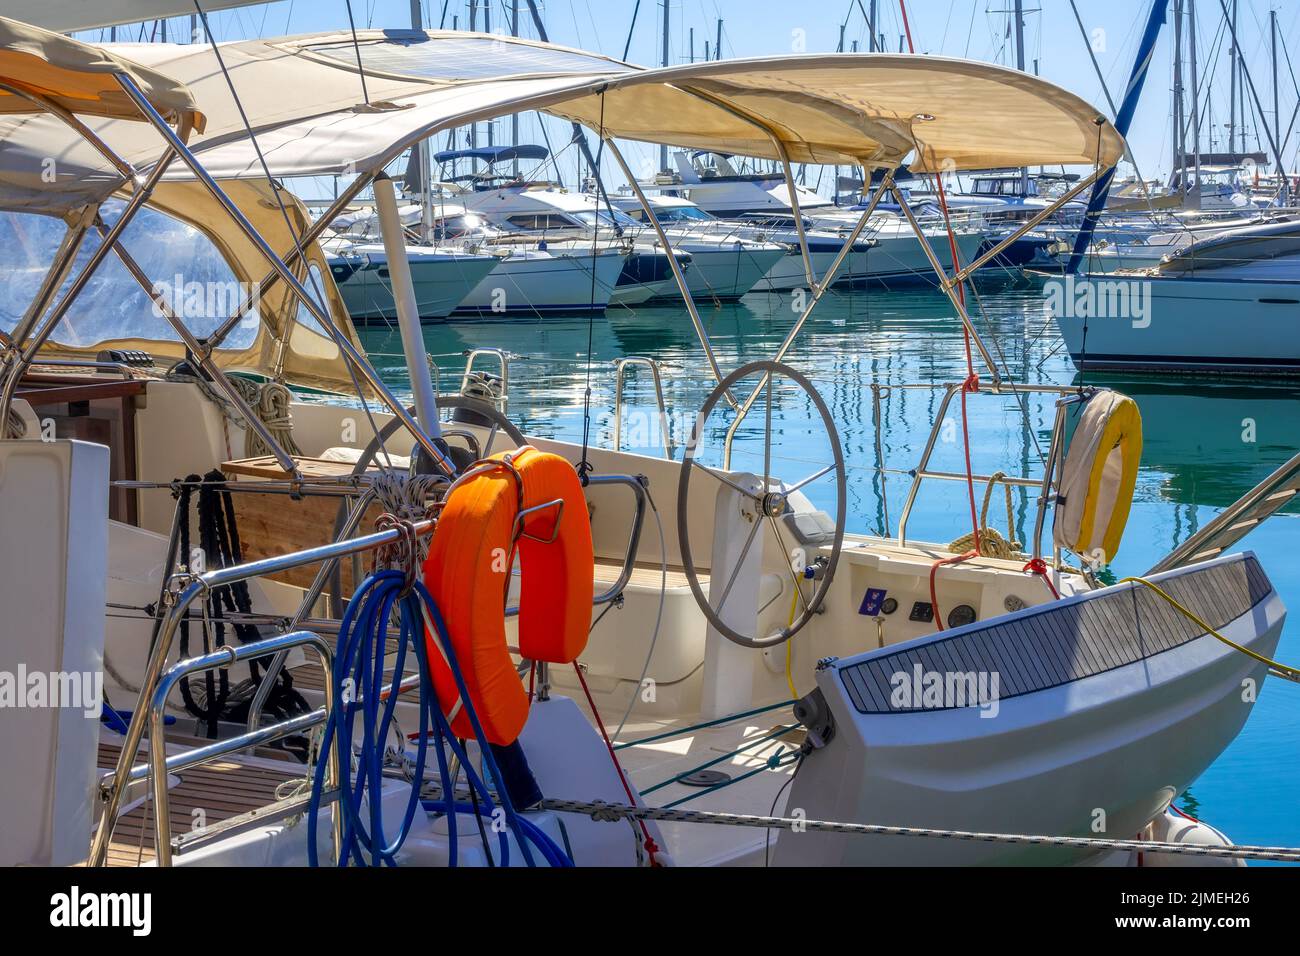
(771,502)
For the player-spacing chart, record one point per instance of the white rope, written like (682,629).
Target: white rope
(610,812)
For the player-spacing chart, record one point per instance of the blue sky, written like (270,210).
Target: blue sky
(977,29)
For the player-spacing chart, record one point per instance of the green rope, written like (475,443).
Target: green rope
(708,723)
(774,762)
(717,760)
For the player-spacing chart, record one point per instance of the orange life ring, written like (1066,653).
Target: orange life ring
(468,574)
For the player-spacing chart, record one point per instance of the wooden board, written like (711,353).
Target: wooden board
(271,525)
(267,467)
(218,790)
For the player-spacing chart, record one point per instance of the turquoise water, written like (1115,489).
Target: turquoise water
(1204,445)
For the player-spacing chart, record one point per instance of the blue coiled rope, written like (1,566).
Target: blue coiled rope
(358,678)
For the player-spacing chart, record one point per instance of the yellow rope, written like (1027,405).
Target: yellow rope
(992,544)
(789,652)
(1281,670)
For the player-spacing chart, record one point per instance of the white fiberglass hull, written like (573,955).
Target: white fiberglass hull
(441,279)
(1198,324)
(726,272)
(896,258)
(533,282)
(1098,756)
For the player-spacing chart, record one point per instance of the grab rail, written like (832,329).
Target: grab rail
(159,764)
(620,372)
(178,602)
(638,485)
(1045,484)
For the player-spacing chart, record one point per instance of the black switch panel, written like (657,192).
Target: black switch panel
(923,612)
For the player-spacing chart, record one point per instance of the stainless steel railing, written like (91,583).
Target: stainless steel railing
(621,366)
(1046,484)
(178,602)
(159,764)
(157,684)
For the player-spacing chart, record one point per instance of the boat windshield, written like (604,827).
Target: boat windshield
(604,220)
(470,225)
(186,268)
(681,214)
(1004,186)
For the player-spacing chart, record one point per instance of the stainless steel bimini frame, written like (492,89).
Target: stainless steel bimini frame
(21,351)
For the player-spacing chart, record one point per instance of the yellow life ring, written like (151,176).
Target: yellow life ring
(1098,476)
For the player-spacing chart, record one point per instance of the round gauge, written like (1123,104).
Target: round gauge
(961,615)
(888,606)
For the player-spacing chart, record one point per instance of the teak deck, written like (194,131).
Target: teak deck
(221,789)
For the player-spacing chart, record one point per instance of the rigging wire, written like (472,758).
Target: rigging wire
(311,276)
(585,466)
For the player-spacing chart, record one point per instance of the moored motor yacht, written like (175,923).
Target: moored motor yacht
(551,214)
(442,278)
(1224,304)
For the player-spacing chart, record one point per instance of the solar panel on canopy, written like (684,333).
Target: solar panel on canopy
(460,58)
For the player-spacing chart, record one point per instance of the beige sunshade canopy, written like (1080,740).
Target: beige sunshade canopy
(871,109)
(79,78)
(305,101)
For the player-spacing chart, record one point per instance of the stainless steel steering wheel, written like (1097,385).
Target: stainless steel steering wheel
(770,500)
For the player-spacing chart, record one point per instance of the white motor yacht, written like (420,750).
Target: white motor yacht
(1225,304)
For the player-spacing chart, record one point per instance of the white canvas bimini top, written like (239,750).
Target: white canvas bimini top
(305,100)
(42,71)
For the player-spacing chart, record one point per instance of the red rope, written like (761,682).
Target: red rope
(972,383)
(650,846)
(1039,567)
(934,593)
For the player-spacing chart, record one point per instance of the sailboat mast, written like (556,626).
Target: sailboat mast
(663,150)
(1020,65)
(424,162)
(871,28)
(1196,103)
(1277,116)
(1232,86)
(514,117)
(1177,174)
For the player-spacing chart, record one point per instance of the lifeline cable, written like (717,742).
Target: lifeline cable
(604,812)
(584,466)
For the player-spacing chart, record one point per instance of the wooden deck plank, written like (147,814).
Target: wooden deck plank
(222,789)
